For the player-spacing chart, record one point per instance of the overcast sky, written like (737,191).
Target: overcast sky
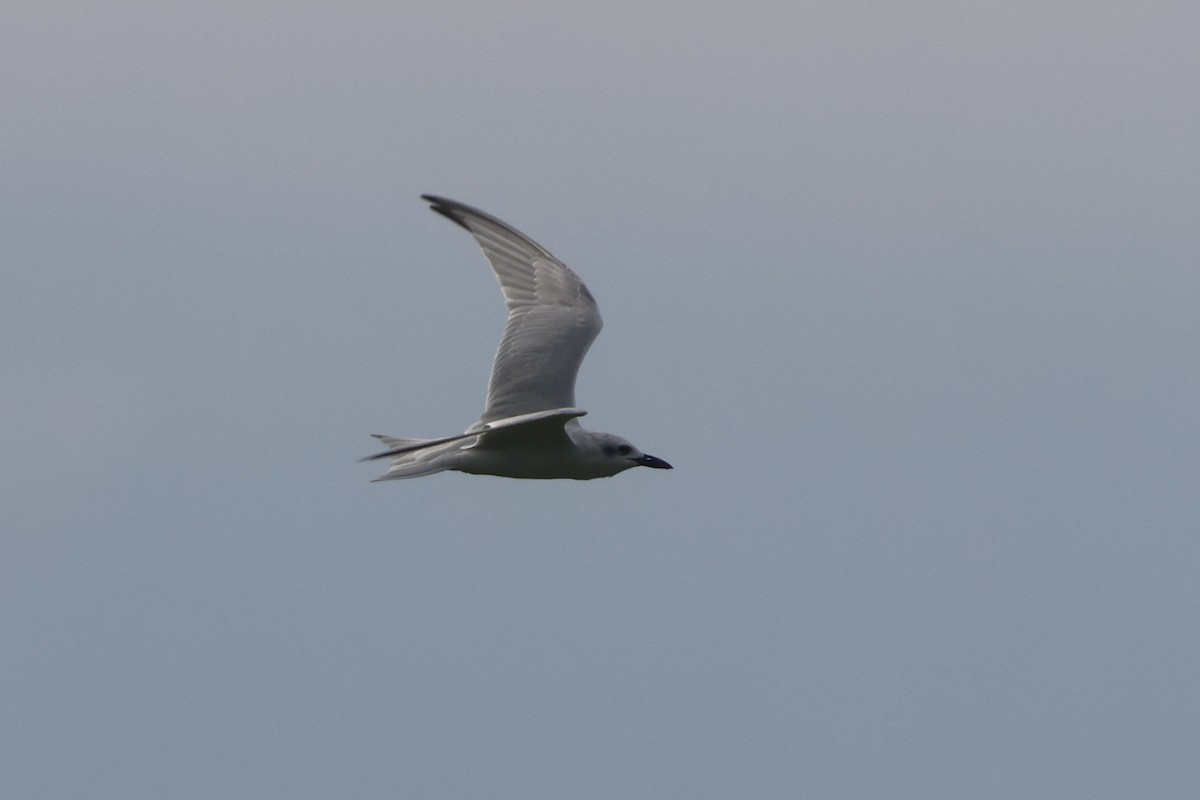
(908,293)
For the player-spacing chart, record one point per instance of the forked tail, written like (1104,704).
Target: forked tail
(416,457)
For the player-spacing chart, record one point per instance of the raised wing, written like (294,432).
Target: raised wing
(552,317)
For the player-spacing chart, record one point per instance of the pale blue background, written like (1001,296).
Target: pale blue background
(908,292)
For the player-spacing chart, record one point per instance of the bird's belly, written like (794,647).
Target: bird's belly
(531,462)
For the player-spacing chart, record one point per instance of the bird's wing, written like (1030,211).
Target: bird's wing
(398,447)
(524,429)
(552,317)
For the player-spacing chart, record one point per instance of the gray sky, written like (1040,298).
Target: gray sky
(907,292)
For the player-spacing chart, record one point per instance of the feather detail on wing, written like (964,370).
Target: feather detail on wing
(552,317)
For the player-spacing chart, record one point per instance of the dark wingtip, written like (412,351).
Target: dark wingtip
(444,207)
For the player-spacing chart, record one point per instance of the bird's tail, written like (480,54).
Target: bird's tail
(418,457)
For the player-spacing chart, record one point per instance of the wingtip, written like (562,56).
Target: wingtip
(446,208)
(376,456)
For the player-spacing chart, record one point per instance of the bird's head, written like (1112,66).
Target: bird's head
(622,455)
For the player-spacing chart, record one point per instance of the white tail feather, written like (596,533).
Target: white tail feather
(437,457)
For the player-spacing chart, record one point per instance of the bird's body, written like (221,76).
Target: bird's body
(530,426)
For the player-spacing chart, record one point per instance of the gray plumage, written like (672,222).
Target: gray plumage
(530,425)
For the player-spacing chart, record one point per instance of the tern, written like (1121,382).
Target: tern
(530,425)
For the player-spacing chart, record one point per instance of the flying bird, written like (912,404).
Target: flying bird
(530,426)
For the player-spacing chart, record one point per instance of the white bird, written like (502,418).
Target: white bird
(530,426)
